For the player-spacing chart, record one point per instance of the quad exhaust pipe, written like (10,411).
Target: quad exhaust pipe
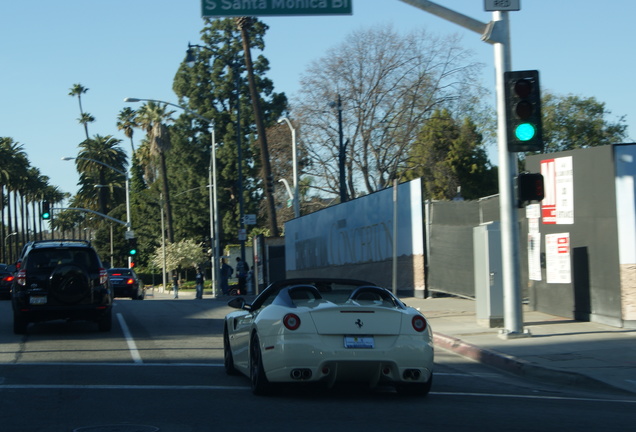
(301,374)
(412,374)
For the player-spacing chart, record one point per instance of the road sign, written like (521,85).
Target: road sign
(129,234)
(249,219)
(242,234)
(230,8)
(502,5)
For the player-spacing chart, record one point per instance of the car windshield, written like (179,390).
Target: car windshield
(335,291)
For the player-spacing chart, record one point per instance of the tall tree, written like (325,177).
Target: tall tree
(389,85)
(152,117)
(214,87)
(571,122)
(78,90)
(126,121)
(13,170)
(450,157)
(104,149)
(244,24)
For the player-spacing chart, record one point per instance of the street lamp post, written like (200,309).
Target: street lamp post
(4,244)
(128,227)
(214,207)
(295,166)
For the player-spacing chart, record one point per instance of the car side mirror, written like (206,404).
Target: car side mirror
(237,303)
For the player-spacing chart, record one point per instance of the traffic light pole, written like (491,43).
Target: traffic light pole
(497,32)
(513,314)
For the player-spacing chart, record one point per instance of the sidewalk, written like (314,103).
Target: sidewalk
(560,350)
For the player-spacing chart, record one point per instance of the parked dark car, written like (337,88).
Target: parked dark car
(6,280)
(125,283)
(61,279)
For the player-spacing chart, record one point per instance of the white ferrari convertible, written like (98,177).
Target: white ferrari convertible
(330,331)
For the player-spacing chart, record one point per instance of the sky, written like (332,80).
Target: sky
(133,48)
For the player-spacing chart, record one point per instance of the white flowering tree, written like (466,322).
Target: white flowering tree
(182,254)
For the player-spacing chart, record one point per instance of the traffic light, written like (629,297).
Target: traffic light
(530,187)
(46,210)
(270,184)
(523,111)
(132,246)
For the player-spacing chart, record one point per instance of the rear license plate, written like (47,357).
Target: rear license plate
(359,342)
(37,300)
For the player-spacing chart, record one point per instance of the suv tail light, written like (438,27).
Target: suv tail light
(130,281)
(21,277)
(103,276)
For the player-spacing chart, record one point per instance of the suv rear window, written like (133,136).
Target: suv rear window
(119,272)
(47,260)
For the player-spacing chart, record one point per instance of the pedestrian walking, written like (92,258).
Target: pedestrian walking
(175,285)
(241,273)
(199,281)
(226,273)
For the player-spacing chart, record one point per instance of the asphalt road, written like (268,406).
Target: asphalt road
(160,369)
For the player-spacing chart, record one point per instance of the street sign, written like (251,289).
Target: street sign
(242,234)
(129,235)
(230,8)
(502,5)
(249,219)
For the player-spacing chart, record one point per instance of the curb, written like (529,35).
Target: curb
(520,367)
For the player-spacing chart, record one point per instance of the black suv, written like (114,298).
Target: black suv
(61,279)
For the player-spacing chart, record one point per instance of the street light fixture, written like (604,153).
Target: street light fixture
(294,164)
(214,207)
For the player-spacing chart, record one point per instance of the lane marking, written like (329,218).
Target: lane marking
(134,353)
(515,396)
(112,364)
(116,387)
(242,388)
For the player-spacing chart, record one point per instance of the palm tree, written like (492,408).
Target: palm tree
(85,119)
(126,122)
(78,90)
(152,118)
(13,174)
(13,170)
(106,150)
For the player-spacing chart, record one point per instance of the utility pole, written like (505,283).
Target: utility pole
(497,32)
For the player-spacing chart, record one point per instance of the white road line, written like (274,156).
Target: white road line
(116,387)
(517,396)
(134,353)
(242,388)
(74,364)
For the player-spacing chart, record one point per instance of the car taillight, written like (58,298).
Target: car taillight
(21,278)
(130,281)
(9,278)
(291,321)
(103,276)
(419,323)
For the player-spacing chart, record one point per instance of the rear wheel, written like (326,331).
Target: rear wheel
(20,324)
(260,384)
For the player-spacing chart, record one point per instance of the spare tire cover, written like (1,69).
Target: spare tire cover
(69,284)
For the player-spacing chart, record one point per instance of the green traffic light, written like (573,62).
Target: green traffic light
(525,132)
(133,252)
(46,215)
